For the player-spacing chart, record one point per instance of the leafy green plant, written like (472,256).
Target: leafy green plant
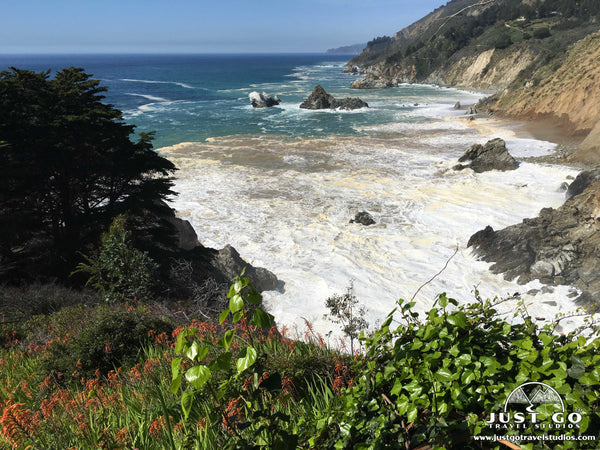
(114,339)
(345,310)
(260,426)
(436,381)
(120,272)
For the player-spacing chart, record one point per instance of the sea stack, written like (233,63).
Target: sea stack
(320,99)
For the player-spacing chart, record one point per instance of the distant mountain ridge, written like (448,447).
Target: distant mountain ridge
(353,49)
(527,52)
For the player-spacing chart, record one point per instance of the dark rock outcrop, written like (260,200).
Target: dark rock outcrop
(230,263)
(264,100)
(187,238)
(320,99)
(491,156)
(221,265)
(581,182)
(560,246)
(363,218)
(370,82)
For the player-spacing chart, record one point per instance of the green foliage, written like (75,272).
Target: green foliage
(435,381)
(345,310)
(114,339)
(503,40)
(67,167)
(464,28)
(541,32)
(219,377)
(121,272)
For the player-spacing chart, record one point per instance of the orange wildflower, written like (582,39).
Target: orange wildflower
(156,427)
(18,424)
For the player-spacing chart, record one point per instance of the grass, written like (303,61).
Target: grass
(131,406)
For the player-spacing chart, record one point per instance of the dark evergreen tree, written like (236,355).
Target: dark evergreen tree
(68,166)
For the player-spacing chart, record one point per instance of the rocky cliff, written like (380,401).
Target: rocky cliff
(560,246)
(539,58)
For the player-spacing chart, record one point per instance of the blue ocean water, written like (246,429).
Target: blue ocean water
(192,97)
(281,184)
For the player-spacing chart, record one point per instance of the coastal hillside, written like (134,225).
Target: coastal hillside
(538,56)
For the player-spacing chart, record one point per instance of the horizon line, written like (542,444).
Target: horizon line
(76,53)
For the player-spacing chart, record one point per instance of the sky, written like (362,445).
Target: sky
(200,26)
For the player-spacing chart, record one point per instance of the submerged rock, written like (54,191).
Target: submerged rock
(320,99)
(364,218)
(491,156)
(560,246)
(264,100)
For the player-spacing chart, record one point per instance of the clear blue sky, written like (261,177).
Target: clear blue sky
(200,26)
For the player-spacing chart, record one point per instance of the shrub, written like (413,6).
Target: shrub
(541,33)
(113,339)
(435,382)
(121,272)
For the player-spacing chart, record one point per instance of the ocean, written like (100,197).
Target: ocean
(281,184)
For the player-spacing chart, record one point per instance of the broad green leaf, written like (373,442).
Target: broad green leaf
(236,303)
(198,376)
(397,387)
(175,383)
(223,316)
(463,360)
(545,338)
(444,375)
(186,403)
(253,296)
(232,291)
(261,318)
(175,366)
(225,341)
(412,413)
(237,316)
(192,351)
(458,319)
(577,369)
(584,424)
(467,377)
(223,362)
(443,300)
(402,404)
(247,359)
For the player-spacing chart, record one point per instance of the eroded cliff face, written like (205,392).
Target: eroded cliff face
(492,70)
(570,93)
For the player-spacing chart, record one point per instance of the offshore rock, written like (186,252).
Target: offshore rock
(371,82)
(320,99)
(363,218)
(560,246)
(264,100)
(491,156)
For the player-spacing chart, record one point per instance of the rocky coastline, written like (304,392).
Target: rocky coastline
(558,247)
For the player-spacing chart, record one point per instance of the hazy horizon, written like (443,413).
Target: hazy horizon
(190,27)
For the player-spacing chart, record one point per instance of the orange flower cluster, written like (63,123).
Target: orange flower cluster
(342,378)
(233,414)
(18,423)
(157,427)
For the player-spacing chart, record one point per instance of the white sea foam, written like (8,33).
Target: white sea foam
(286,205)
(183,85)
(150,97)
